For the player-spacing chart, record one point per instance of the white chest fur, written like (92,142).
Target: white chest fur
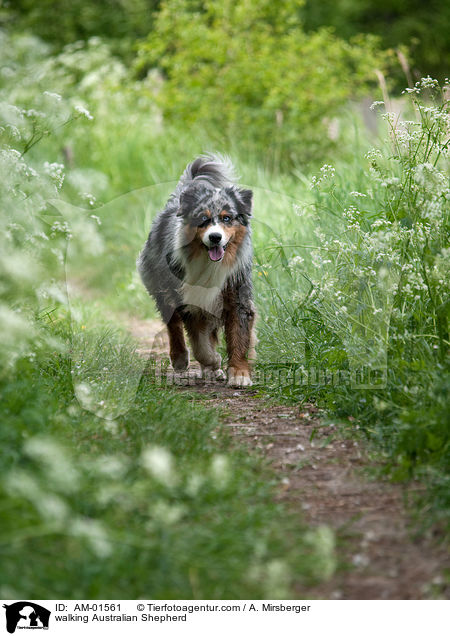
(203,284)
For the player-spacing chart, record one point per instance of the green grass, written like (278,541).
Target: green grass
(155,503)
(305,253)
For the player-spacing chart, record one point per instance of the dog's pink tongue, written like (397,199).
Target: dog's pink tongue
(216,253)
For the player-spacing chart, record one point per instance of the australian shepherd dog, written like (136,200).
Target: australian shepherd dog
(197,265)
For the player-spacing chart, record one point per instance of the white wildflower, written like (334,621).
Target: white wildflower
(428,82)
(357,194)
(90,198)
(52,508)
(166,513)
(158,461)
(54,96)
(84,395)
(194,483)
(83,111)
(34,114)
(296,260)
(56,172)
(94,533)
(111,466)
(220,470)
(326,172)
(55,461)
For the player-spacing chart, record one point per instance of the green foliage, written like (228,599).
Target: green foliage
(248,71)
(136,506)
(123,22)
(365,285)
(119,21)
(142,475)
(421,27)
(127,482)
(32,242)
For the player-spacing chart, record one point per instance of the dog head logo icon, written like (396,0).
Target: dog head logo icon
(26,615)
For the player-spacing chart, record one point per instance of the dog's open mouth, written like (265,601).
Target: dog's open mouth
(216,253)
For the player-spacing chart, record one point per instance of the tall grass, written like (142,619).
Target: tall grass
(360,293)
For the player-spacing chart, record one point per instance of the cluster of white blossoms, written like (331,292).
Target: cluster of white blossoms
(296,261)
(389,260)
(56,172)
(60,227)
(158,461)
(327,173)
(82,110)
(424,83)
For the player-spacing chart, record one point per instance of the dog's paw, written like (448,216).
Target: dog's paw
(220,375)
(178,377)
(212,374)
(239,377)
(180,362)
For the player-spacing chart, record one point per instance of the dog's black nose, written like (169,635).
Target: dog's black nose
(215,238)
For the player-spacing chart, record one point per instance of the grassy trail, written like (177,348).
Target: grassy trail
(323,478)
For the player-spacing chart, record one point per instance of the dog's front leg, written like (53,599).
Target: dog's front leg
(239,323)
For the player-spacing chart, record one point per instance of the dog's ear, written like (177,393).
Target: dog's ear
(242,199)
(246,197)
(189,198)
(187,201)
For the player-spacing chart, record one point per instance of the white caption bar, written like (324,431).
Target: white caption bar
(309,618)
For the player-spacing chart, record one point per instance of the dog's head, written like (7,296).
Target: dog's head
(215,220)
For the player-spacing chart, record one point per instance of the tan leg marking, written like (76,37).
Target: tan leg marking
(240,343)
(179,355)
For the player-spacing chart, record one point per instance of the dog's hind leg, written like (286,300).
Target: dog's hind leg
(179,354)
(203,337)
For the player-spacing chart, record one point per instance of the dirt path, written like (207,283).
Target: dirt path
(322,476)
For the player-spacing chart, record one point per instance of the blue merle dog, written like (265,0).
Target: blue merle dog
(197,265)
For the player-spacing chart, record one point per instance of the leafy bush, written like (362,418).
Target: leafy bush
(397,23)
(248,71)
(119,21)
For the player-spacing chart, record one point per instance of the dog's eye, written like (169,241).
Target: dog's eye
(226,219)
(203,220)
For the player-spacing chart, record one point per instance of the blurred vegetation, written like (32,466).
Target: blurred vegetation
(419,28)
(152,503)
(101,108)
(61,22)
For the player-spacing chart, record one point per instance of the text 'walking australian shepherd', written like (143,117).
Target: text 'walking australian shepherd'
(197,264)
